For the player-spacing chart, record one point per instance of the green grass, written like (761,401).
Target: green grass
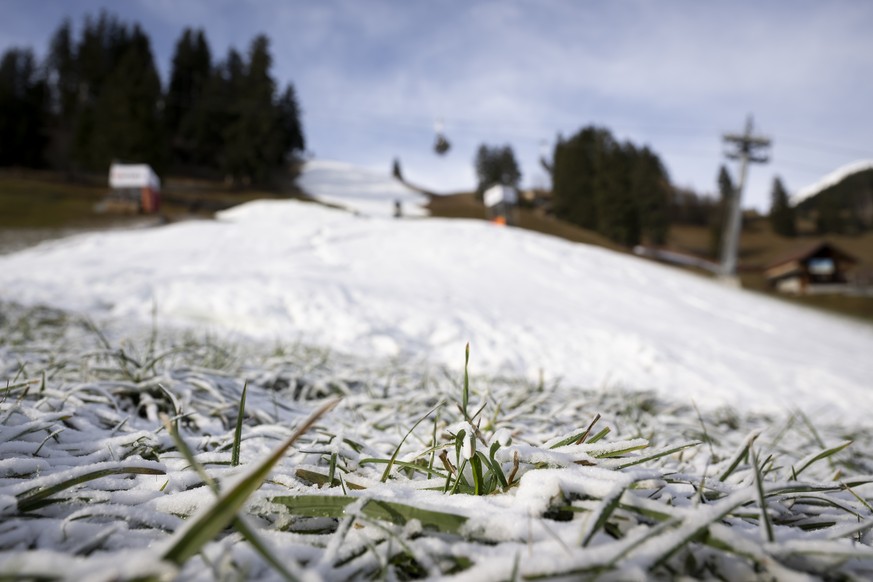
(28,202)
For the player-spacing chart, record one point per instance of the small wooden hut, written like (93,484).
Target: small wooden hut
(134,188)
(820,268)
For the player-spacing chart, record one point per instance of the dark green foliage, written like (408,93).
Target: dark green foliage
(127,125)
(263,129)
(101,100)
(103,44)
(24,110)
(781,213)
(842,208)
(189,114)
(616,189)
(651,189)
(496,165)
(292,139)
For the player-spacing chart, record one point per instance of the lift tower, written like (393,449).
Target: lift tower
(747,148)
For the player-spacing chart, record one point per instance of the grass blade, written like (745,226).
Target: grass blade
(742,453)
(239,524)
(578,437)
(599,435)
(766,524)
(827,453)
(656,455)
(608,505)
(398,513)
(406,436)
(36,498)
(237,434)
(204,527)
(465,395)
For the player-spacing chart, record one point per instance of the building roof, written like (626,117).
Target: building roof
(803,253)
(133,176)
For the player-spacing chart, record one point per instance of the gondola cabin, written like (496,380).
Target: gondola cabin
(133,189)
(820,268)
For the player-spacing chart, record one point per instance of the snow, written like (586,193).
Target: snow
(833,178)
(362,191)
(529,304)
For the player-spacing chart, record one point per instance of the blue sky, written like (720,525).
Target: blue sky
(374,76)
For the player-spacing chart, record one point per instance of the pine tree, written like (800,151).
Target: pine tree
(650,187)
(103,43)
(617,216)
(24,110)
(496,165)
(189,112)
(62,72)
(128,126)
(262,130)
(577,163)
(290,122)
(781,213)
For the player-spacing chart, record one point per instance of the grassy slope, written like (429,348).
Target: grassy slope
(465,205)
(759,247)
(38,206)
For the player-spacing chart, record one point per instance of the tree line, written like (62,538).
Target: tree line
(97,98)
(617,189)
(623,191)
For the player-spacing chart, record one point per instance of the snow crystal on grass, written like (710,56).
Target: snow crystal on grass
(664,492)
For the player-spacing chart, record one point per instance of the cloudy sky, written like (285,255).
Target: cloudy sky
(374,76)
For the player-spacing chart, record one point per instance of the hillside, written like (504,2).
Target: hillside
(44,205)
(842,202)
(422,288)
(856,174)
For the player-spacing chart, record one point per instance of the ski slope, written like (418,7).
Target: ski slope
(421,288)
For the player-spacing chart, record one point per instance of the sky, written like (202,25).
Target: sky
(374,77)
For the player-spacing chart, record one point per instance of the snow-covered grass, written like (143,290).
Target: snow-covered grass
(417,471)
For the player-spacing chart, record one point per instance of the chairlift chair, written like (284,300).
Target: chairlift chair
(441,145)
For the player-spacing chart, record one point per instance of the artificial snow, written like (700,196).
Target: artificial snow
(421,288)
(362,191)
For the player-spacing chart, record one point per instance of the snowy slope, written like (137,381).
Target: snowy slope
(422,288)
(362,191)
(833,178)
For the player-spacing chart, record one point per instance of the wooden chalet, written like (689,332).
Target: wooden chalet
(134,189)
(820,268)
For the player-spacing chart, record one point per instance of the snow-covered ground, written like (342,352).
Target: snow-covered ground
(362,191)
(371,285)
